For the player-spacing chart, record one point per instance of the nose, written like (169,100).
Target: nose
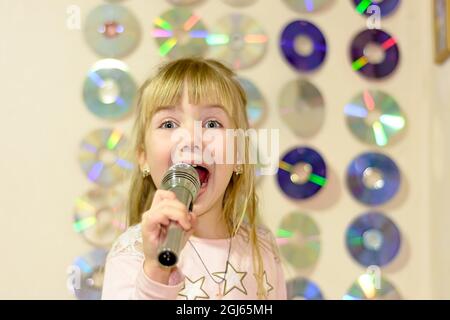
(189,146)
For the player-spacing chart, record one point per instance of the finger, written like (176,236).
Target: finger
(177,215)
(161,194)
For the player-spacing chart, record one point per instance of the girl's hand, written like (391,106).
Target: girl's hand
(166,208)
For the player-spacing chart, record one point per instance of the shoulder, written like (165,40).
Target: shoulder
(129,242)
(266,240)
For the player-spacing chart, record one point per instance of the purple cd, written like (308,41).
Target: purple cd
(374,54)
(373,178)
(303,45)
(386,7)
(373,239)
(302,173)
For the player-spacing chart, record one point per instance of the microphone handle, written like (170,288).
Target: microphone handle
(170,248)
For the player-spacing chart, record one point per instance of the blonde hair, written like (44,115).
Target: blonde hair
(207,81)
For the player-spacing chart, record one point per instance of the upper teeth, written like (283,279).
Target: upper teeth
(194,165)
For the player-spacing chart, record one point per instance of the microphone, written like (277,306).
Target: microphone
(184,181)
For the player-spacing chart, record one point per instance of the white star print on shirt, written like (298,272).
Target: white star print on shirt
(193,289)
(233,279)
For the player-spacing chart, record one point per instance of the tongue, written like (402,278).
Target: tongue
(202,173)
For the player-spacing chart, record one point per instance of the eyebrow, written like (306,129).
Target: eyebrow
(208,106)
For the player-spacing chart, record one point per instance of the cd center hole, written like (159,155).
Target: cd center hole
(372,117)
(373,178)
(109,91)
(107,156)
(301,173)
(374,53)
(104,220)
(96,280)
(373,239)
(303,45)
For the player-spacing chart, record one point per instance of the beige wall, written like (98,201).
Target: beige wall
(43,119)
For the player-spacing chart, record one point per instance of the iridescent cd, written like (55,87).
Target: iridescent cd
(105,157)
(373,239)
(109,90)
(369,7)
(183,2)
(373,178)
(374,54)
(305,6)
(100,216)
(371,286)
(90,269)
(303,45)
(375,118)
(303,289)
(302,107)
(239,3)
(256,105)
(302,173)
(238,40)
(298,238)
(112,31)
(180,33)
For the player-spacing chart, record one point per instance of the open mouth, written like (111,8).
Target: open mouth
(203,174)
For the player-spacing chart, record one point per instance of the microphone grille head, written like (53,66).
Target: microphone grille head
(182,174)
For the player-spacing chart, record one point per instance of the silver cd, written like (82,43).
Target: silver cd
(109,90)
(307,6)
(302,107)
(100,216)
(112,31)
(256,105)
(238,40)
(372,286)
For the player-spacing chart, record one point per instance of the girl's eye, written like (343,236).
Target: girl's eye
(212,124)
(168,125)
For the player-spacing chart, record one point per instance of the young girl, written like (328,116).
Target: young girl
(226,253)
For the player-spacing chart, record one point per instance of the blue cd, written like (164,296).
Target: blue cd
(373,239)
(386,7)
(373,178)
(89,271)
(303,45)
(302,173)
(302,289)
(374,54)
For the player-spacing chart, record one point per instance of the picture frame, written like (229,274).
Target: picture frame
(441,15)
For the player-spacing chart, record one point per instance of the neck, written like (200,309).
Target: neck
(211,225)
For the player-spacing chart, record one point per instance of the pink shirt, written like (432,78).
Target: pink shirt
(125,279)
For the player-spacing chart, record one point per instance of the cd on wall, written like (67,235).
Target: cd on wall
(301,288)
(373,239)
(238,40)
(369,8)
(256,104)
(100,216)
(112,31)
(302,107)
(299,240)
(88,276)
(372,286)
(307,6)
(109,90)
(302,173)
(373,178)
(303,45)
(374,117)
(374,54)
(180,33)
(105,157)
